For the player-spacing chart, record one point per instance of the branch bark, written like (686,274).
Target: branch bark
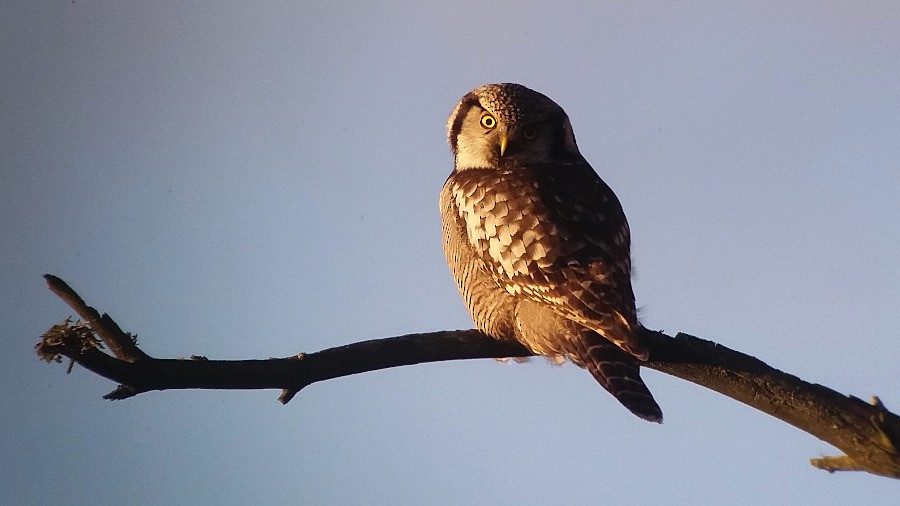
(867,433)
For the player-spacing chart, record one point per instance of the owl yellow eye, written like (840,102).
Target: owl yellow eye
(488,121)
(529,133)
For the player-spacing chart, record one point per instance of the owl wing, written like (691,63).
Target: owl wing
(490,306)
(556,234)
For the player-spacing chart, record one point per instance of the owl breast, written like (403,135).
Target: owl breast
(502,213)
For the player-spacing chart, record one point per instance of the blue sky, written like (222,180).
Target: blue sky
(251,181)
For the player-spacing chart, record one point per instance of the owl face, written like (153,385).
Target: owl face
(505,125)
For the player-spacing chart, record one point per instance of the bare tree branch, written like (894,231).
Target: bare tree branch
(868,434)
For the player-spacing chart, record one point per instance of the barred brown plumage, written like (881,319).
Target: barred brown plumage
(538,243)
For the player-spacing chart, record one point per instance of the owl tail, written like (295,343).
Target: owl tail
(618,372)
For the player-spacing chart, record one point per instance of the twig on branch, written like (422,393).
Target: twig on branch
(868,434)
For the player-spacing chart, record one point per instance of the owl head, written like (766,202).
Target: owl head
(507,124)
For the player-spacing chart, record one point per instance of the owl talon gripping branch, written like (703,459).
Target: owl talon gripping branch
(538,243)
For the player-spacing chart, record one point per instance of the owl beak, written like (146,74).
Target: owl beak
(504,140)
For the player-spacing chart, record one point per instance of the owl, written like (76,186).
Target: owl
(538,244)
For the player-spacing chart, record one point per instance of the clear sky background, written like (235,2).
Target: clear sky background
(253,180)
